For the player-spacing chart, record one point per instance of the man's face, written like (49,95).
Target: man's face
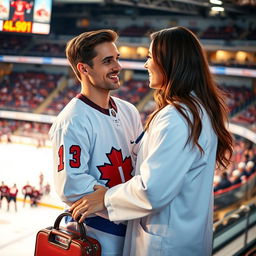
(106,67)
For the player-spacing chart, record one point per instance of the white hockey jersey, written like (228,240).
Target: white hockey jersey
(92,146)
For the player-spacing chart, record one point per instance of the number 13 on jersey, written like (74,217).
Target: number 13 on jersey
(74,160)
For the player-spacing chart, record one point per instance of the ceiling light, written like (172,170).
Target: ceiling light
(218,2)
(217,9)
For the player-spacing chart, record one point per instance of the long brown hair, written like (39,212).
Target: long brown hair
(182,61)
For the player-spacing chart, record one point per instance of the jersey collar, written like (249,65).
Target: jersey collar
(105,111)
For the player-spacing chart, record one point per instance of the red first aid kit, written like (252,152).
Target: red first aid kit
(58,241)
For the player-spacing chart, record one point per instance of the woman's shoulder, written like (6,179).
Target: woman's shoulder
(169,118)
(169,113)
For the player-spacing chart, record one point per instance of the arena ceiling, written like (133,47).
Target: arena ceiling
(187,7)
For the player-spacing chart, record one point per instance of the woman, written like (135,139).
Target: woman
(170,199)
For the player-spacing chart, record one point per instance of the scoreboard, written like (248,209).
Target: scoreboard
(25,16)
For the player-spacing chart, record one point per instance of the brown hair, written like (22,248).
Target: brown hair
(81,48)
(182,61)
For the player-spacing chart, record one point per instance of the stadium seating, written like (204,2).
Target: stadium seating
(26,91)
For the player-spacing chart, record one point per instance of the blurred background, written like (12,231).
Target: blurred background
(36,83)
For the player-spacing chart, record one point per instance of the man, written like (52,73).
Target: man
(4,193)
(93,137)
(35,197)
(12,196)
(27,191)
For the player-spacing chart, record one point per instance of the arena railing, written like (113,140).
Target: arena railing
(236,224)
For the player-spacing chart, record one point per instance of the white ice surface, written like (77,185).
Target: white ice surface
(19,164)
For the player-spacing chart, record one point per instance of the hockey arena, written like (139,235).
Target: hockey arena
(36,83)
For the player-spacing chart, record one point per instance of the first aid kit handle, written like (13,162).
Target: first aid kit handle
(80,225)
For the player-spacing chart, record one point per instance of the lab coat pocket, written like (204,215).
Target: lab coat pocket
(147,244)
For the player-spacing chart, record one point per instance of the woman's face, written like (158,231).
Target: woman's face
(155,75)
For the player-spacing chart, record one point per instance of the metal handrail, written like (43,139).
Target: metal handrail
(235,215)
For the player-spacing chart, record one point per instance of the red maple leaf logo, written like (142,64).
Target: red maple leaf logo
(118,171)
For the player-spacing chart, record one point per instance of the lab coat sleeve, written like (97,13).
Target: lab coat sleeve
(162,171)
(71,152)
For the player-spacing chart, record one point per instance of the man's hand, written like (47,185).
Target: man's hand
(89,204)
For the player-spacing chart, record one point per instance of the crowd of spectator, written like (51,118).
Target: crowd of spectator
(132,90)
(229,32)
(25,91)
(30,89)
(241,102)
(237,97)
(136,31)
(35,130)
(241,168)
(48,49)
(27,128)
(232,62)
(147,110)
(246,117)
(12,44)
(61,100)
(251,35)
(223,32)
(8,126)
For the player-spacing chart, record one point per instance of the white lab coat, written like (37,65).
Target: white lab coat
(170,200)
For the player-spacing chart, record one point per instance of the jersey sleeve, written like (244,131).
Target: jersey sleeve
(162,172)
(71,153)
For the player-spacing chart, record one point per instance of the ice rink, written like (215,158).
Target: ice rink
(21,164)
(19,229)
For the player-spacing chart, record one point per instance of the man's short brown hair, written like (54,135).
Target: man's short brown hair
(81,48)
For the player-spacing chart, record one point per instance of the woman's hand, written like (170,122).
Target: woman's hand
(89,204)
